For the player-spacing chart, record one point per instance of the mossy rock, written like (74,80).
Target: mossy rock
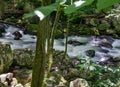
(103,26)
(23,57)
(6,58)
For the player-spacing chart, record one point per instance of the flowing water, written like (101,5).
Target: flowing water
(100,48)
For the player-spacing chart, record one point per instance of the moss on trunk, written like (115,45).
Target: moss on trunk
(40,57)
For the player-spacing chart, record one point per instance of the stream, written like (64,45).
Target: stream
(98,48)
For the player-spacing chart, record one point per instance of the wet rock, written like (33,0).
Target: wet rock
(5,57)
(101,57)
(102,41)
(106,44)
(90,53)
(79,83)
(17,35)
(107,38)
(2,28)
(75,43)
(23,57)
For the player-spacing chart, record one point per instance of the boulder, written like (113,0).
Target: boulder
(23,57)
(6,58)
(6,78)
(79,82)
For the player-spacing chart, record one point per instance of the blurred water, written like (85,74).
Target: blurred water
(99,44)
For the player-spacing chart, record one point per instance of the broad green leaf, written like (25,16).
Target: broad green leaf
(102,4)
(72,8)
(46,10)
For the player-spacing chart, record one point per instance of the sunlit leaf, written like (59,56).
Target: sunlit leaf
(46,10)
(72,8)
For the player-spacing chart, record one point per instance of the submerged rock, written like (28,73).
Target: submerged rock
(6,58)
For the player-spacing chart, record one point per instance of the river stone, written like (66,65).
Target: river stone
(79,82)
(6,58)
(90,53)
(2,28)
(17,35)
(23,57)
(75,43)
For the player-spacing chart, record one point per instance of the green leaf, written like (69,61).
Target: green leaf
(70,9)
(102,4)
(46,10)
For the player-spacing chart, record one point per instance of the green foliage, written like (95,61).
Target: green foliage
(102,4)
(59,34)
(46,10)
(71,8)
(97,75)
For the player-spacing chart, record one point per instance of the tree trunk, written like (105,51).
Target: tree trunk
(40,57)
